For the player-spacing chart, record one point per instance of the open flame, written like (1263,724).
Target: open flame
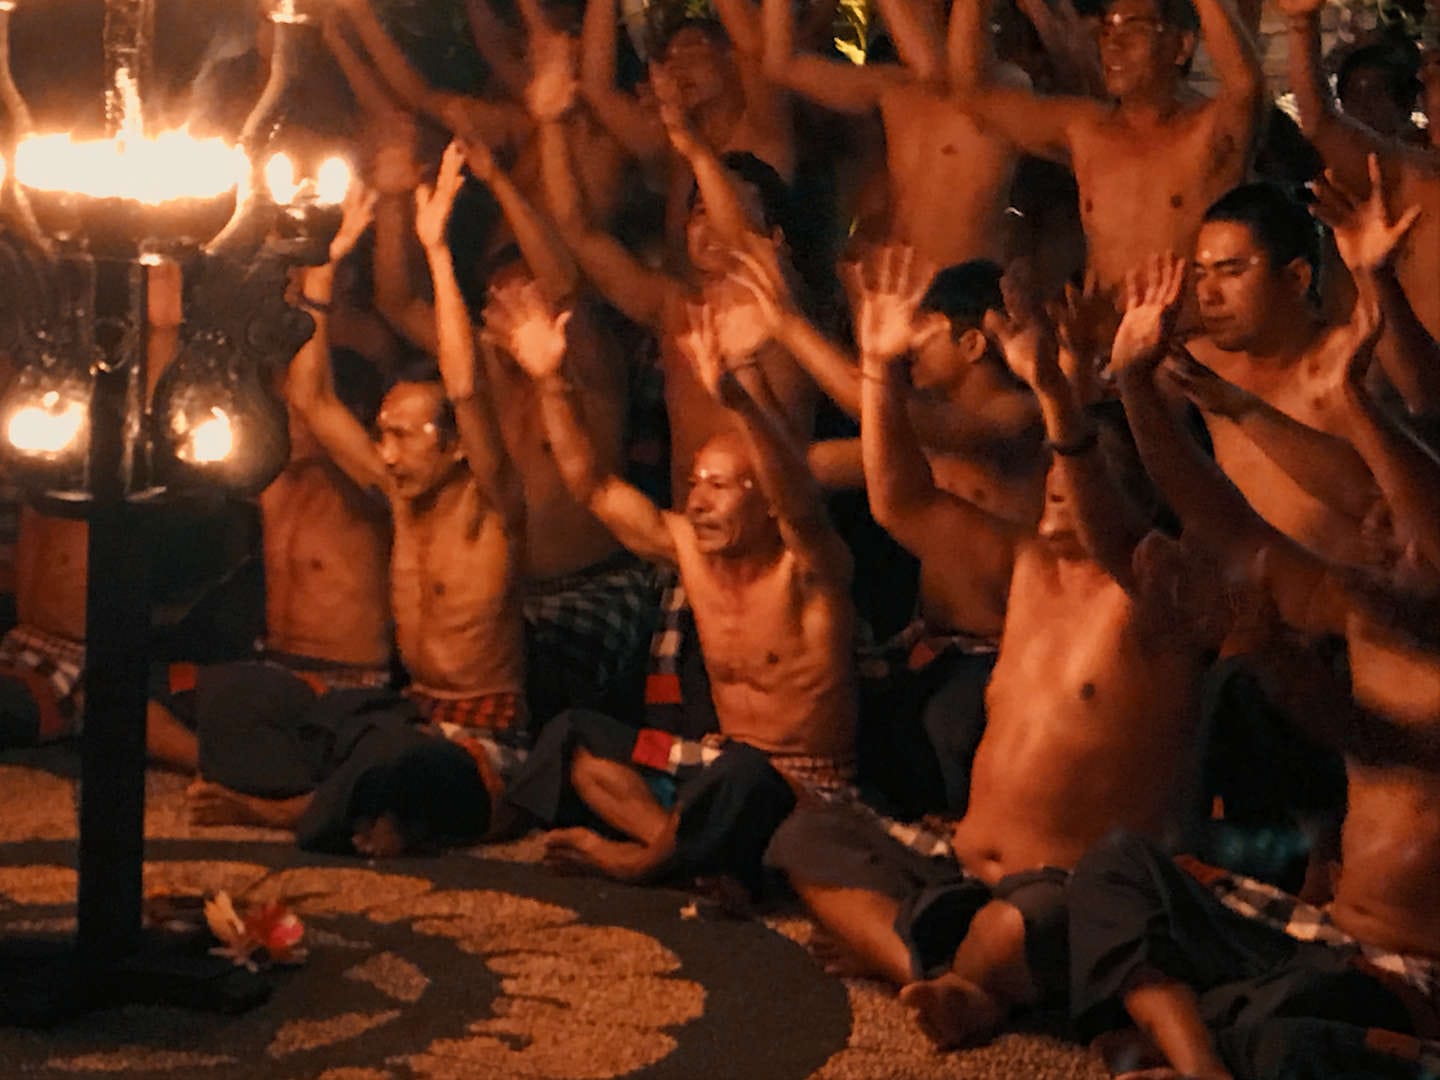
(212,439)
(47,428)
(132,165)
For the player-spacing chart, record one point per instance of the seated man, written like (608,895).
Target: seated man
(768,581)
(1092,720)
(456,513)
(1290,988)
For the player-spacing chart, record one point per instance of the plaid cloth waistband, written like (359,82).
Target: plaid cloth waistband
(662,684)
(502,712)
(52,666)
(667,753)
(1305,922)
(917,646)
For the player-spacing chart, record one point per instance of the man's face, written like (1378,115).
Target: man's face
(1368,99)
(726,508)
(1239,294)
(698,65)
(944,352)
(1057,529)
(707,252)
(1138,52)
(416,458)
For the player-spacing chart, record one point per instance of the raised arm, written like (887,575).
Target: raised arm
(1108,525)
(407,84)
(633,123)
(395,176)
(499,45)
(365,83)
(1037,125)
(1214,514)
(778,459)
(836,84)
(1326,467)
(523,324)
(1368,242)
(724,207)
(639,292)
(544,251)
(917,37)
(1342,141)
(455,353)
(309,385)
(1407,470)
(1233,57)
(900,485)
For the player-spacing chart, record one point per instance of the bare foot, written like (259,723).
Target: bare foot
(953,1012)
(838,959)
(584,849)
(215,804)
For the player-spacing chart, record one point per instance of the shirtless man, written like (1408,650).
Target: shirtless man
(458,525)
(1092,721)
(937,158)
(768,580)
(979,424)
(1152,158)
(42,658)
(326,548)
(1412,176)
(737,194)
(1162,943)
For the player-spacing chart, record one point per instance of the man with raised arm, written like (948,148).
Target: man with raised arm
(1288,989)
(948,180)
(768,580)
(1412,175)
(1092,722)
(1152,158)
(458,523)
(924,723)
(737,194)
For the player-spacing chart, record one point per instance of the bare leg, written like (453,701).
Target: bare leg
(1168,1012)
(989,977)
(619,797)
(168,741)
(860,932)
(215,804)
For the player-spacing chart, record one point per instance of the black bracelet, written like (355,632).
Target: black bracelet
(322,306)
(1083,445)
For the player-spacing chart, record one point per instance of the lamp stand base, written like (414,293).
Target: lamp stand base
(44,980)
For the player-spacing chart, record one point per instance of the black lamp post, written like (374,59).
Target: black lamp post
(82,429)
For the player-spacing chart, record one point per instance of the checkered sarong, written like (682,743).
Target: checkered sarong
(595,620)
(493,728)
(52,667)
(662,684)
(1305,922)
(667,753)
(916,647)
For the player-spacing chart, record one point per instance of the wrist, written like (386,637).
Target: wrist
(1075,443)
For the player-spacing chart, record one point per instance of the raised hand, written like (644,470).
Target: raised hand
(699,344)
(890,289)
(1205,388)
(1364,233)
(434,203)
(758,272)
(551,93)
(1024,333)
(356,212)
(1085,321)
(479,158)
(741,326)
(672,110)
(518,320)
(1152,301)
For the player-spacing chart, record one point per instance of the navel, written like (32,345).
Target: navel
(1089,206)
(1087,691)
(948,149)
(438,588)
(316,564)
(771,658)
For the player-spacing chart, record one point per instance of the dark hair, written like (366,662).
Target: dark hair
(1277,220)
(1399,65)
(662,33)
(964,292)
(432,787)
(358,383)
(424,372)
